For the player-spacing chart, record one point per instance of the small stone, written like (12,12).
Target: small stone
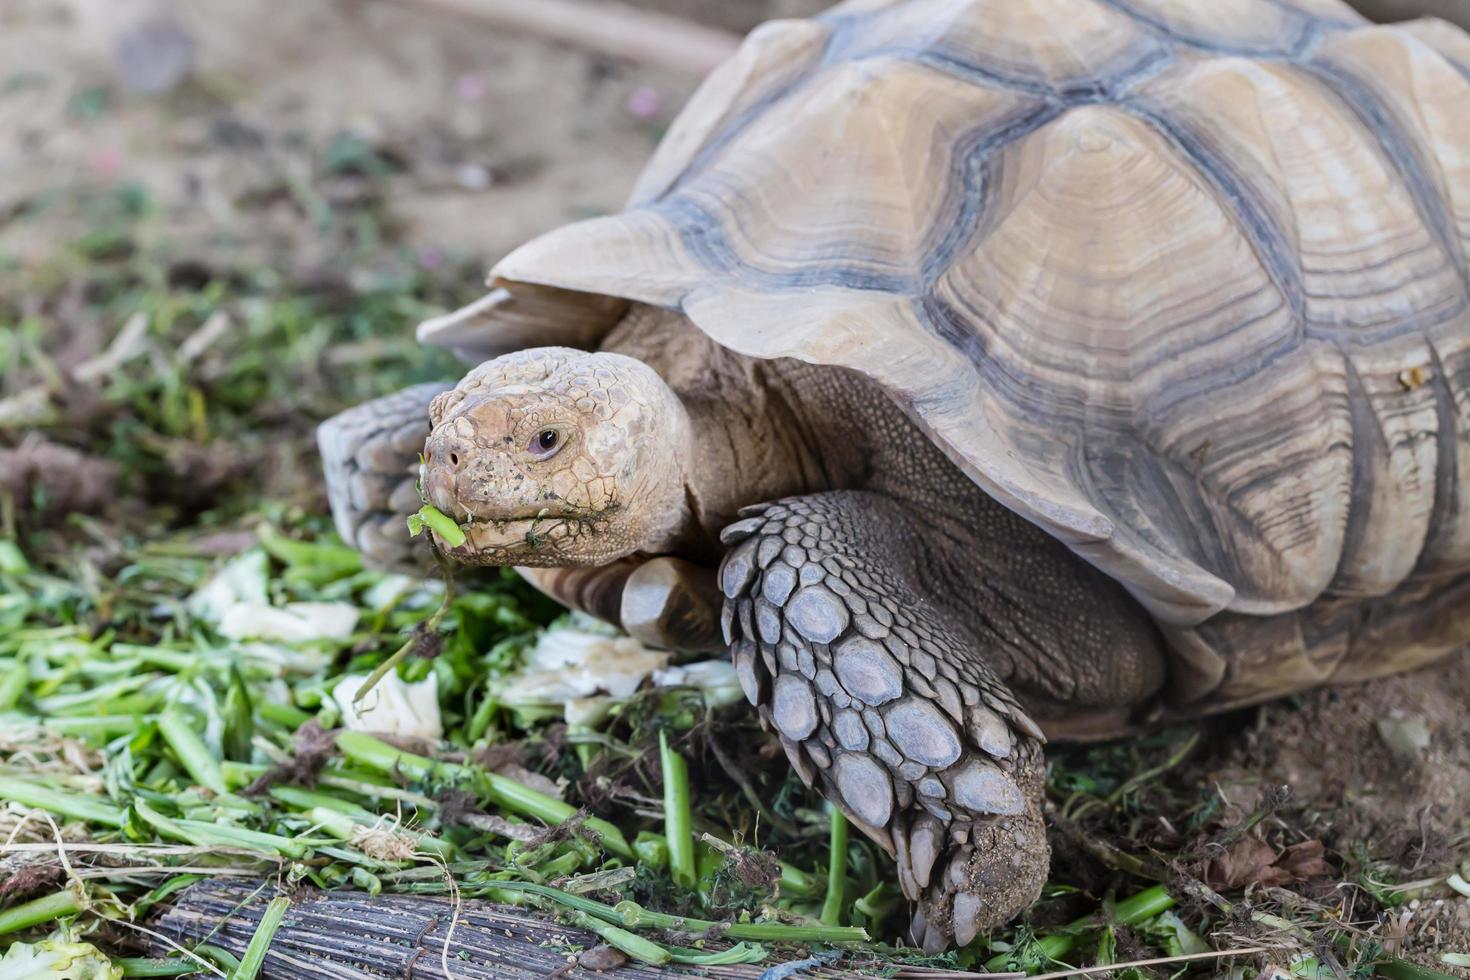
(817,614)
(931,787)
(922,733)
(912,771)
(826,682)
(794,708)
(865,788)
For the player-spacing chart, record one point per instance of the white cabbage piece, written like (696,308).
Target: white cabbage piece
(392,707)
(295,622)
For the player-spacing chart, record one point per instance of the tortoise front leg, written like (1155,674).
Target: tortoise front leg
(370,456)
(881,697)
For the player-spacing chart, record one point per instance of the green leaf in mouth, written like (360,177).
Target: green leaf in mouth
(437,521)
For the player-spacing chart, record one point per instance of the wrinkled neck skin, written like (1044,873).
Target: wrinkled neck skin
(754,433)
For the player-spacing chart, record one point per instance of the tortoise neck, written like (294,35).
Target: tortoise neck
(759,430)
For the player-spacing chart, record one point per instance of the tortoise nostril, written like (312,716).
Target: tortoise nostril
(454,459)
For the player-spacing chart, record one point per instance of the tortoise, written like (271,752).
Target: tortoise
(980,372)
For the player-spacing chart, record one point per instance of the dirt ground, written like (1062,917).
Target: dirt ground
(487,140)
(492,138)
(1379,772)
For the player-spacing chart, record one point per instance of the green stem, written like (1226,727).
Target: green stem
(38,912)
(203,834)
(141,966)
(502,791)
(107,726)
(431,625)
(836,868)
(198,761)
(1131,911)
(634,945)
(285,715)
(678,825)
(305,799)
(635,916)
(260,943)
(76,807)
(347,827)
(15,677)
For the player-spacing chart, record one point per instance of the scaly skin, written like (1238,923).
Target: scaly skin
(894,625)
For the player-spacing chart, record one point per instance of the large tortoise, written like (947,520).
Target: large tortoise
(1028,368)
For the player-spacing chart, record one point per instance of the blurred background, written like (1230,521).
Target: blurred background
(272,194)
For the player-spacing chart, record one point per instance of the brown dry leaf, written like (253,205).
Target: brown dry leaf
(1254,862)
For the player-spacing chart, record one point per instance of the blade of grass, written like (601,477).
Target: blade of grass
(1131,911)
(64,804)
(635,916)
(678,826)
(39,911)
(503,791)
(198,761)
(202,834)
(260,943)
(836,868)
(140,966)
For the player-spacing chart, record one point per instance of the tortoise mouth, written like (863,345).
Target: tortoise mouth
(517,540)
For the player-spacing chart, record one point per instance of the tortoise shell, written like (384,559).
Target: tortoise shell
(1184,282)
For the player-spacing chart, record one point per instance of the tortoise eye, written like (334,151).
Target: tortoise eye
(544,443)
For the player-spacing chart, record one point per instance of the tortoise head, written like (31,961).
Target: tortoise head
(553,456)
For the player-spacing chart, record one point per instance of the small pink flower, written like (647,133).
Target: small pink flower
(107,162)
(430,257)
(644,102)
(471,87)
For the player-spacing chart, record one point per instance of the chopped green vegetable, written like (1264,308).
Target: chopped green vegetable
(437,521)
